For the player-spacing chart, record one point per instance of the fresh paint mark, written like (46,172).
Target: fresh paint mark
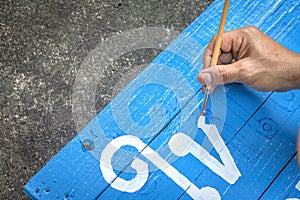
(142,171)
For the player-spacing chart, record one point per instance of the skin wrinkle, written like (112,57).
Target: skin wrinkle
(245,72)
(236,51)
(294,77)
(238,54)
(223,74)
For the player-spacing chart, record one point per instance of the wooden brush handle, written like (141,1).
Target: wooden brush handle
(217,48)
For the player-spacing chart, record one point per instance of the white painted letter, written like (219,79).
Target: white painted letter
(141,168)
(181,144)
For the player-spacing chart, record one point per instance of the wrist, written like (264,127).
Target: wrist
(295,72)
(289,72)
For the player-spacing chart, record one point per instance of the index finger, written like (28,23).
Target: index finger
(231,43)
(209,52)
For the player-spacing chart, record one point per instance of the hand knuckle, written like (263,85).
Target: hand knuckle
(223,76)
(250,30)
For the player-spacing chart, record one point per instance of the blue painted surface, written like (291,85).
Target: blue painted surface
(284,186)
(261,148)
(259,128)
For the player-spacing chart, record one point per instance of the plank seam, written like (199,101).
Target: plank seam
(163,128)
(234,135)
(275,178)
(196,93)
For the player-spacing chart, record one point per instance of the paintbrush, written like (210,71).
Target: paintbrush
(216,53)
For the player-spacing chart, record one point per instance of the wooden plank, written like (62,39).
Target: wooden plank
(261,155)
(161,186)
(256,146)
(260,149)
(286,185)
(75,172)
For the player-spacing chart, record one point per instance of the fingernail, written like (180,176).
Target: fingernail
(207,78)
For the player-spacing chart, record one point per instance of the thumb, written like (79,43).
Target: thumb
(220,74)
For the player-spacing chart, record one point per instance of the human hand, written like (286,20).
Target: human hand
(251,57)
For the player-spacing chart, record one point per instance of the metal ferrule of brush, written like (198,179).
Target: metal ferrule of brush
(203,111)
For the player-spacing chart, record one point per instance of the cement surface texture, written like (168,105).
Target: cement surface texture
(43,45)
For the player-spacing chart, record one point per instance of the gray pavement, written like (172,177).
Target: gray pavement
(42,46)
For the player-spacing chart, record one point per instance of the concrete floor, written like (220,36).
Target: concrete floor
(42,46)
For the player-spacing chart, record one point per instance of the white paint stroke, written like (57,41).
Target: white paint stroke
(141,167)
(181,144)
(298,186)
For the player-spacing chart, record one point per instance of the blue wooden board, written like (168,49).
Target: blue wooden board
(286,185)
(259,128)
(261,148)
